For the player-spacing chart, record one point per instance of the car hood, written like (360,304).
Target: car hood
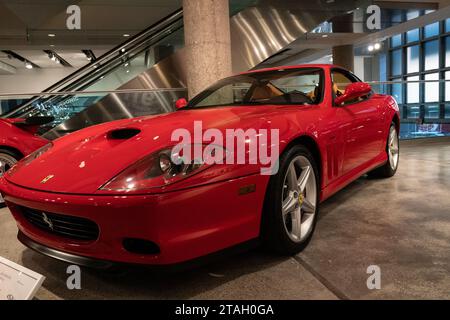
(82,162)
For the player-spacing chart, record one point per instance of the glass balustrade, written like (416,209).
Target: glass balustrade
(72,111)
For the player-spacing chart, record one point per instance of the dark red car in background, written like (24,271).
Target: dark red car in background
(18,139)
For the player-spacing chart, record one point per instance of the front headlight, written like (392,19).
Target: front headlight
(28,159)
(160,169)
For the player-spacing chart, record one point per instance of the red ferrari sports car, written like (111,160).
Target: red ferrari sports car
(118,192)
(18,139)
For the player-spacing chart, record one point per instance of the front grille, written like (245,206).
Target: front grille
(62,225)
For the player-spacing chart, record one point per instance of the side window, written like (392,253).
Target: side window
(301,88)
(340,82)
(233,93)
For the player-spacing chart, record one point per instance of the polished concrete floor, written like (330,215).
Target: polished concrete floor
(400,224)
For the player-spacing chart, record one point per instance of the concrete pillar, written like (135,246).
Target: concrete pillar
(344,56)
(207,42)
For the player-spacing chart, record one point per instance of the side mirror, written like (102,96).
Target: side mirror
(352,91)
(181,103)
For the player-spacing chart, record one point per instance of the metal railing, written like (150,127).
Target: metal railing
(70,83)
(74,110)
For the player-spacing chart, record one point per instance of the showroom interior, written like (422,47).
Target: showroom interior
(82,63)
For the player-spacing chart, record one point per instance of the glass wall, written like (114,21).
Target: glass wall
(419,64)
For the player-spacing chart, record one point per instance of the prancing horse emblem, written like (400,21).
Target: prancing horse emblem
(301,199)
(47,178)
(47,220)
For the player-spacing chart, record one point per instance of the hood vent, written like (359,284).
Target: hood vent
(123,134)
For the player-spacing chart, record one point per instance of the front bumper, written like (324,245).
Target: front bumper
(63,256)
(185,224)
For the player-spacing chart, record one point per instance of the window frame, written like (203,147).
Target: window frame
(442,37)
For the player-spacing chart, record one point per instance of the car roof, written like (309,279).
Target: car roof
(300,66)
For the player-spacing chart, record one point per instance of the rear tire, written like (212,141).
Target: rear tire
(393,152)
(292,203)
(7,159)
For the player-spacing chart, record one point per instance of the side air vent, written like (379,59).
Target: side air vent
(123,134)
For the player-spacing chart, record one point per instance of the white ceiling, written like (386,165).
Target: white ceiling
(25,25)
(102,22)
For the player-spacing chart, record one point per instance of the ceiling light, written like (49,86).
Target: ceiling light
(126,64)
(126,35)
(370,48)
(28,65)
(51,35)
(324,36)
(123,50)
(377,46)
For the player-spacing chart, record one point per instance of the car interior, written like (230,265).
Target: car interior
(264,88)
(269,93)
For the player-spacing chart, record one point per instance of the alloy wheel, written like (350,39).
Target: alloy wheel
(393,148)
(299,199)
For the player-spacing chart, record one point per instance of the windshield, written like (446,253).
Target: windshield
(285,87)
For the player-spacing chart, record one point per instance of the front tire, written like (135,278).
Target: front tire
(8,158)
(292,203)
(393,152)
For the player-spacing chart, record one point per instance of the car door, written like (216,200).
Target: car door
(360,123)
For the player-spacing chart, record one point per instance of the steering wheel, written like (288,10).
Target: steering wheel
(289,96)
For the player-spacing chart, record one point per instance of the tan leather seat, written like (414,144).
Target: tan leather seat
(337,92)
(265,92)
(313,94)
